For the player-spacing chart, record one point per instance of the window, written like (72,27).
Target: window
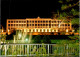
(46,24)
(11,24)
(8,21)
(35,21)
(43,21)
(32,24)
(38,21)
(49,21)
(46,21)
(43,24)
(35,24)
(65,24)
(68,24)
(8,24)
(19,24)
(16,24)
(32,21)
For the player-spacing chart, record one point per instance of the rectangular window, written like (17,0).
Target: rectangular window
(8,21)
(43,24)
(11,24)
(43,21)
(8,24)
(68,24)
(35,24)
(35,21)
(16,24)
(32,24)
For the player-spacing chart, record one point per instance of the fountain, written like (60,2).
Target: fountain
(21,36)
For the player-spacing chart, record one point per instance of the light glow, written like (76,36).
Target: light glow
(19,35)
(42,30)
(49,30)
(56,30)
(38,30)
(26,39)
(8,30)
(45,30)
(31,30)
(35,30)
(53,30)
(66,30)
(2,30)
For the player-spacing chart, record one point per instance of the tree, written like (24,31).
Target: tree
(37,39)
(70,10)
(3,38)
(46,39)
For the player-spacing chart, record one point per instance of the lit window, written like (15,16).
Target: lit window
(31,30)
(42,30)
(49,30)
(35,30)
(66,30)
(27,30)
(53,30)
(56,30)
(38,30)
(24,30)
(45,30)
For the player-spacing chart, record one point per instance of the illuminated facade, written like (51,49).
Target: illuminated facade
(38,25)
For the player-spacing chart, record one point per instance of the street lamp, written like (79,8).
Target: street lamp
(26,39)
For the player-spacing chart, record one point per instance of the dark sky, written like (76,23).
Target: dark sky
(15,9)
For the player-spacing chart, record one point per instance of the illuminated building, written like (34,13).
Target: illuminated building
(38,25)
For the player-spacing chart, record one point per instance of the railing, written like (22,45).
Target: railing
(36,50)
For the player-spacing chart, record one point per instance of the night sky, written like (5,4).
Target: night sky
(14,9)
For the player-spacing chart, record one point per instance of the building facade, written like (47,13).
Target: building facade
(38,25)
